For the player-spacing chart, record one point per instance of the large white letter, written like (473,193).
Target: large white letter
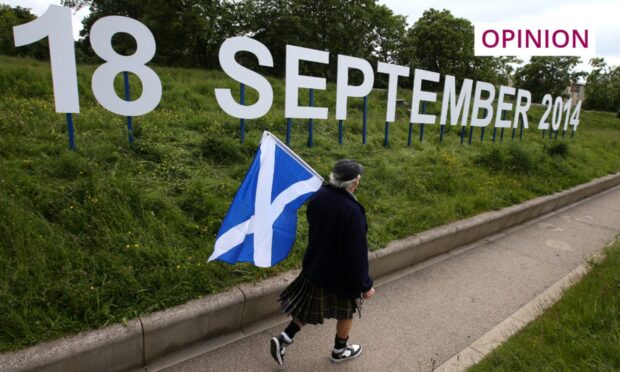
(522,109)
(294,81)
(244,75)
(457,108)
(482,103)
(344,90)
(420,95)
(503,106)
(393,71)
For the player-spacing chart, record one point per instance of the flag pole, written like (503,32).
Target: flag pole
(292,153)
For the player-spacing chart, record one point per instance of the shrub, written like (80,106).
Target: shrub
(557,149)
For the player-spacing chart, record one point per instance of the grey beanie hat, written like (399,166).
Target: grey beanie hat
(347,170)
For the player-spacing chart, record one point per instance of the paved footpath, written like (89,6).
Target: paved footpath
(423,316)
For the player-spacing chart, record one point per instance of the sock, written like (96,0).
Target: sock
(340,343)
(290,331)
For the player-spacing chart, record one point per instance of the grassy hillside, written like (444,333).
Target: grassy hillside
(114,231)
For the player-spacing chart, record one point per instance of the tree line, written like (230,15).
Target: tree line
(189,32)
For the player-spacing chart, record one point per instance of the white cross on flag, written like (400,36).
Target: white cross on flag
(260,226)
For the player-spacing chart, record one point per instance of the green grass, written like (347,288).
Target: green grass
(115,231)
(581,332)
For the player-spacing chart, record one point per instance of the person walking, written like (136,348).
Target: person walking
(334,279)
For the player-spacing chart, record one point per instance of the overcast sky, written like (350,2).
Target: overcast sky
(602,16)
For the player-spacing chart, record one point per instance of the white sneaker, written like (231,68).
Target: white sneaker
(349,352)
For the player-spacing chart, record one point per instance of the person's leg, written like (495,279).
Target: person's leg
(342,351)
(343,327)
(281,341)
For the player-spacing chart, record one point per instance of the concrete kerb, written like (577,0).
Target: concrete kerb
(261,298)
(171,329)
(114,348)
(144,340)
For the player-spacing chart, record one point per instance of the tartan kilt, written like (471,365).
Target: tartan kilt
(310,304)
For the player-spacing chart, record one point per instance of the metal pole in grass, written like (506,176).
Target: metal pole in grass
(521,130)
(544,134)
(482,129)
(128,98)
(556,135)
(442,129)
(242,121)
(514,131)
(70,131)
(365,120)
(311,121)
(421,124)
(462,133)
(387,134)
(501,136)
(471,133)
(410,134)
(340,131)
(289,124)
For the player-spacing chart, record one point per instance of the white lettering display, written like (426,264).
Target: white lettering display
(393,72)
(103,79)
(55,24)
(419,95)
(244,75)
(458,108)
(480,103)
(344,90)
(294,81)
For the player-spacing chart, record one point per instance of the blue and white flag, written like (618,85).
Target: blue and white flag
(260,226)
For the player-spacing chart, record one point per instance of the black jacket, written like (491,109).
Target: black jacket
(337,254)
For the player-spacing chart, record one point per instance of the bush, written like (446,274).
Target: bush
(557,149)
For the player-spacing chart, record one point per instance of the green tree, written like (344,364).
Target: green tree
(551,75)
(13,16)
(602,87)
(441,42)
(187,33)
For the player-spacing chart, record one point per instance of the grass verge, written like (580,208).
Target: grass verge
(114,231)
(581,332)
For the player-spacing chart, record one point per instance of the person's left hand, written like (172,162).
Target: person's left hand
(369,294)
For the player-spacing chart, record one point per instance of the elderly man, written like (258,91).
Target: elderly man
(334,276)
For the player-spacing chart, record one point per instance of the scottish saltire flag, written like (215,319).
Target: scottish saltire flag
(260,226)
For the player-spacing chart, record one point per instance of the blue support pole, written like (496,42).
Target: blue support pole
(483,128)
(340,132)
(514,132)
(70,131)
(471,133)
(289,125)
(242,121)
(494,134)
(410,134)
(311,121)
(501,136)
(441,132)
(365,123)
(462,133)
(128,98)
(422,125)
(386,139)
(521,130)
